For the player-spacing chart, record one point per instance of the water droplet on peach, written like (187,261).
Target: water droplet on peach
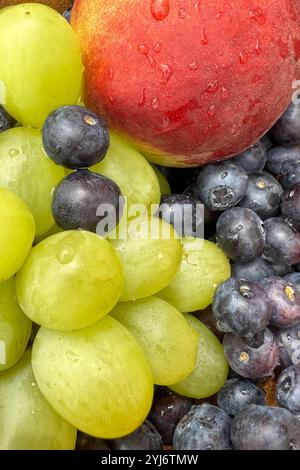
(160,9)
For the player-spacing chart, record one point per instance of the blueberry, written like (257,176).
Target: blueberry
(290,206)
(204,427)
(6,121)
(277,156)
(146,437)
(83,199)
(222,185)
(87,442)
(253,358)
(241,307)
(167,410)
(288,389)
(281,269)
(284,300)
(294,279)
(184,212)
(240,234)
(290,174)
(238,393)
(253,159)
(210,217)
(254,270)
(282,242)
(267,141)
(74,137)
(287,130)
(263,195)
(288,340)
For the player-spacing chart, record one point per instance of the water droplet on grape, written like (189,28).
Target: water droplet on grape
(72,355)
(13,152)
(160,9)
(65,254)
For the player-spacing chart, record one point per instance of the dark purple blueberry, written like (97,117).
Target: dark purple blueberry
(184,212)
(146,437)
(263,195)
(294,279)
(288,340)
(284,300)
(238,393)
(287,130)
(254,270)
(222,185)
(87,442)
(259,427)
(253,358)
(267,141)
(288,389)
(87,201)
(282,242)
(6,121)
(290,206)
(210,217)
(167,410)
(278,156)
(241,307)
(281,269)
(240,234)
(75,137)
(204,427)
(290,174)
(253,159)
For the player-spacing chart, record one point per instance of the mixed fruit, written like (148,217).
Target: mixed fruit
(112,338)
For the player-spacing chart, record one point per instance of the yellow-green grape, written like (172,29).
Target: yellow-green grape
(40,62)
(15,327)
(211,368)
(150,254)
(70,280)
(52,231)
(132,173)
(27,421)
(163,182)
(28,172)
(204,266)
(168,341)
(97,378)
(17,231)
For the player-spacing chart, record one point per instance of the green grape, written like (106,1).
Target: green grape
(163,182)
(97,378)
(211,368)
(27,421)
(168,341)
(70,280)
(52,231)
(17,231)
(28,172)
(40,62)
(132,173)
(15,327)
(149,261)
(204,266)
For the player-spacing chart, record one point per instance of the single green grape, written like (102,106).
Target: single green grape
(27,421)
(70,280)
(17,231)
(52,231)
(150,254)
(27,171)
(15,327)
(97,378)
(168,341)
(204,266)
(211,370)
(163,182)
(40,62)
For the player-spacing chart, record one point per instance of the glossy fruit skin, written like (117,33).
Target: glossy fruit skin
(238,393)
(290,174)
(277,156)
(288,389)
(254,270)
(287,130)
(6,121)
(265,428)
(288,340)
(240,234)
(179,111)
(184,212)
(284,300)
(222,185)
(253,359)
(75,137)
(290,205)
(167,410)
(86,442)
(263,195)
(282,242)
(81,200)
(241,307)
(146,437)
(253,159)
(204,427)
